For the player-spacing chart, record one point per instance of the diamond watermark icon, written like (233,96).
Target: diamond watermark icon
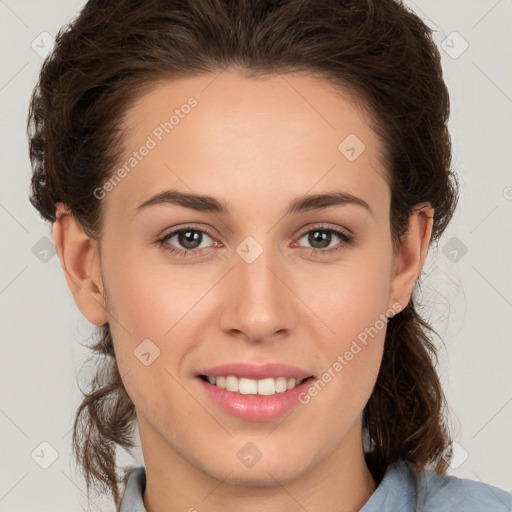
(454,45)
(44,455)
(454,249)
(42,44)
(351,147)
(146,352)
(459,456)
(249,454)
(249,250)
(44,249)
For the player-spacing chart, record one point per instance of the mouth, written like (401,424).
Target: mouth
(246,386)
(256,393)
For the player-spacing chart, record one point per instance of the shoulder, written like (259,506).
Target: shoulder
(404,489)
(441,493)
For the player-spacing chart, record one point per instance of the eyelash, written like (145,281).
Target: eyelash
(346,241)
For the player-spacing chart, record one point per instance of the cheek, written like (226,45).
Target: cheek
(150,307)
(158,302)
(150,296)
(351,303)
(347,298)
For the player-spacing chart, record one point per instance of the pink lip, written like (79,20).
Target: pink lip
(255,407)
(255,371)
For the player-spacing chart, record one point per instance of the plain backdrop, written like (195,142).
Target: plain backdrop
(466,286)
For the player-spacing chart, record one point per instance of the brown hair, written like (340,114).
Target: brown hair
(381,52)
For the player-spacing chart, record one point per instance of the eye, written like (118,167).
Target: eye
(321,236)
(188,237)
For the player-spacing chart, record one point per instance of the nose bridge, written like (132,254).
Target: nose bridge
(261,301)
(254,270)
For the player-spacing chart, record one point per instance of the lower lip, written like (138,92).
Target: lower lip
(256,407)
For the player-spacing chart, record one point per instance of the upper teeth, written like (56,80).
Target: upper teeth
(245,386)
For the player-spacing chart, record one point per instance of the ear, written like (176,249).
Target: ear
(411,254)
(80,262)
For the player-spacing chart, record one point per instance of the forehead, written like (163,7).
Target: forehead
(242,138)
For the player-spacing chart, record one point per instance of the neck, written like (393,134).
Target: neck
(341,482)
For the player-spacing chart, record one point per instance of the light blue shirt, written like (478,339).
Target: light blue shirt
(401,490)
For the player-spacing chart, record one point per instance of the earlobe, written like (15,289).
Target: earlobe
(411,254)
(80,262)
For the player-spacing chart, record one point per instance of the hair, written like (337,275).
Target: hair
(380,52)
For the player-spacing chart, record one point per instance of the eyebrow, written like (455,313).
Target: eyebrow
(205,203)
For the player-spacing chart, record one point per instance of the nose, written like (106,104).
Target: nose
(258,305)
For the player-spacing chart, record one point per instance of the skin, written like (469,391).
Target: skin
(256,144)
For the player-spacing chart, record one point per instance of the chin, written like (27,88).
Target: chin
(263,477)
(266,472)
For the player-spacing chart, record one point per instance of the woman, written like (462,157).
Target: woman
(243,196)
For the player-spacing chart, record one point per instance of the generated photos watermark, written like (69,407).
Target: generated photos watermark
(152,140)
(344,359)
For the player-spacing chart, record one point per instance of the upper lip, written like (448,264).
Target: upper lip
(257,371)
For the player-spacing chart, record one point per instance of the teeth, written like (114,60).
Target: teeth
(244,386)
(281,384)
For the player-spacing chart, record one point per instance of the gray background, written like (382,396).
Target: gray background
(467,295)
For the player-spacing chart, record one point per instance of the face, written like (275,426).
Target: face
(249,280)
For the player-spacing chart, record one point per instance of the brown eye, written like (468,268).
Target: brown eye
(321,237)
(187,241)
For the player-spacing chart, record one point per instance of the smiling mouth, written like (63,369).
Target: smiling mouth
(246,386)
